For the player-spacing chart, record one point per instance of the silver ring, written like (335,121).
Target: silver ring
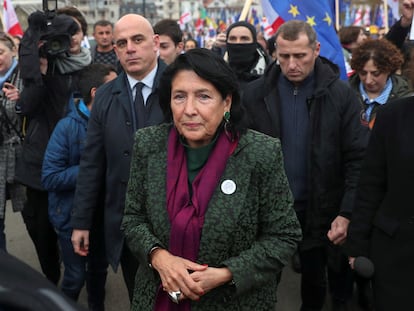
(174,296)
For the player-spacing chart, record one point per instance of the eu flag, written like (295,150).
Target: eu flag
(320,16)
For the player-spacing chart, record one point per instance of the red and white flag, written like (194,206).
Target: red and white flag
(11,23)
(185,18)
(273,20)
(199,24)
(366,20)
(358,17)
(267,28)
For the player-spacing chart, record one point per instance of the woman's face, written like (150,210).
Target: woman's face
(6,57)
(197,108)
(75,43)
(373,80)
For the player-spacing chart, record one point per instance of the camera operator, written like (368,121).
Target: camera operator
(50,79)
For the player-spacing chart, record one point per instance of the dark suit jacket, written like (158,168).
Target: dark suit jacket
(253,231)
(104,165)
(382,224)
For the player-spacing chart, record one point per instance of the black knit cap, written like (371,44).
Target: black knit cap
(243,24)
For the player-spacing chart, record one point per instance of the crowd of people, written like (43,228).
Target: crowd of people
(203,172)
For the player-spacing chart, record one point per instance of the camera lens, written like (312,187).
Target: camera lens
(55,46)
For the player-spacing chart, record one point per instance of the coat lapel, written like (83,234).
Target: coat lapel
(122,93)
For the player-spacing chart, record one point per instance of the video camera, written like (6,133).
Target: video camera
(55,30)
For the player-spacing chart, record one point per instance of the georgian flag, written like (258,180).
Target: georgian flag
(185,18)
(11,23)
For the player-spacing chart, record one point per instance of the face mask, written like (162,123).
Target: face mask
(242,55)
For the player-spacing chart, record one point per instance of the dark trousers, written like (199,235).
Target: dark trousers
(36,219)
(318,276)
(2,234)
(97,265)
(323,268)
(79,270)
(129,264)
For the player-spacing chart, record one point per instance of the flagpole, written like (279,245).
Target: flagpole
(245,11)
(3,22)
(386,15)
(337,15)
(249,16)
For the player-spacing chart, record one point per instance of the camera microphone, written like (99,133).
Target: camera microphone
(364,267)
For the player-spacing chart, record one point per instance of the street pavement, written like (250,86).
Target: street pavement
(20,245)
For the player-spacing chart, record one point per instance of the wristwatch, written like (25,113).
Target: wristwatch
(155,247)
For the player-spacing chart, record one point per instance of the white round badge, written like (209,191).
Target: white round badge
(228,186)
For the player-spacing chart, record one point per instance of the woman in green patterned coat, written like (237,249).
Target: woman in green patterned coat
(208,209)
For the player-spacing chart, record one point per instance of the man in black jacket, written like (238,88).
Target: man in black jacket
(120,109)
(244,54)
(302,101)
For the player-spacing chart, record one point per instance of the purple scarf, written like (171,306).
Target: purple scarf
(186,213)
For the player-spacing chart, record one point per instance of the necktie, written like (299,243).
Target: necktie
(369,107)
(139,105)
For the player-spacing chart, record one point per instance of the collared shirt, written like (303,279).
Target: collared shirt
(380,100)
(148,84)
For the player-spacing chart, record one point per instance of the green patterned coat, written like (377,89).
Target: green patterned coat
(253,231)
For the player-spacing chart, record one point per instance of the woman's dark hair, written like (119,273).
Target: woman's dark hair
(385,55)
(349,34)
(212,68)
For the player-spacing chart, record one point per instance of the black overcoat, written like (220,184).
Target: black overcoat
(382,224)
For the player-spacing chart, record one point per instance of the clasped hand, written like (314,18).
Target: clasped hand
(193,280)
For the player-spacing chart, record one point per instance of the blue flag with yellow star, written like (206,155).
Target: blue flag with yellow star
(319,15)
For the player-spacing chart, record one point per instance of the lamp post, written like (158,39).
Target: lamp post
(143,8)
